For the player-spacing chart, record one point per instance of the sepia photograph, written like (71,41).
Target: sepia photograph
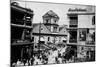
(44,33)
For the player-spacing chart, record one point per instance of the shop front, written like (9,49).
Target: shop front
(90,53)
(21,51)
(86,53)
(73,50)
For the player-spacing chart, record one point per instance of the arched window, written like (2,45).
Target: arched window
(93,20)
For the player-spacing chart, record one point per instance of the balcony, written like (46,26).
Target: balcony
(73,22)
(19,22)
(20,40)
(22,22)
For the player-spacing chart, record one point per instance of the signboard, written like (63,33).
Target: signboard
(77,10)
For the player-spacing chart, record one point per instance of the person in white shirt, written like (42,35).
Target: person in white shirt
(18,62)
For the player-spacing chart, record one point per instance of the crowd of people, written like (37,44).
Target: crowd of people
(52,56)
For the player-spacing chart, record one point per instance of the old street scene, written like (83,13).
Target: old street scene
(49,33)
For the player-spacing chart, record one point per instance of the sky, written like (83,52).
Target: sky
(60,9)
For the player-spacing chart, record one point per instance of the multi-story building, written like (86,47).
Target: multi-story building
(50,20)
(82,31)
(21,26)
(49,31)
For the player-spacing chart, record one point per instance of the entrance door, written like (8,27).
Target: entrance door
(15,53)
(73,36)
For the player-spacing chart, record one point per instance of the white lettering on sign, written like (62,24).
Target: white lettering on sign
(77,10)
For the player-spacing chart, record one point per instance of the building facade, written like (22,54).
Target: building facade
(82,31)
(21,26)
(49,31)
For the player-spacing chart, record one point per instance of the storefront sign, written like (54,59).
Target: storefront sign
(77,10)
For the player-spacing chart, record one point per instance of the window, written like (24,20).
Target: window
(41,29)
(28,18)
(93,20)
(73,21)
(73,18)
(32,38)
(82,34)
(73,36)
(27,34)
(48,38)
(55,21)
(82,48)
(87,30)
(47,20)
(55,29)
(91,38)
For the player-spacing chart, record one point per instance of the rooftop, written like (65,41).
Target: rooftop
(51,13)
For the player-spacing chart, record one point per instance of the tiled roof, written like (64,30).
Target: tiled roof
(42,26)
(50,13)
(61,29)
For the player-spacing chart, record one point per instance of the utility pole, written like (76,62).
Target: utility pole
(39,36)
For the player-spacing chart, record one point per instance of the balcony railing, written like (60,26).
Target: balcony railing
(73,22)
(19,41)
(22,22)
